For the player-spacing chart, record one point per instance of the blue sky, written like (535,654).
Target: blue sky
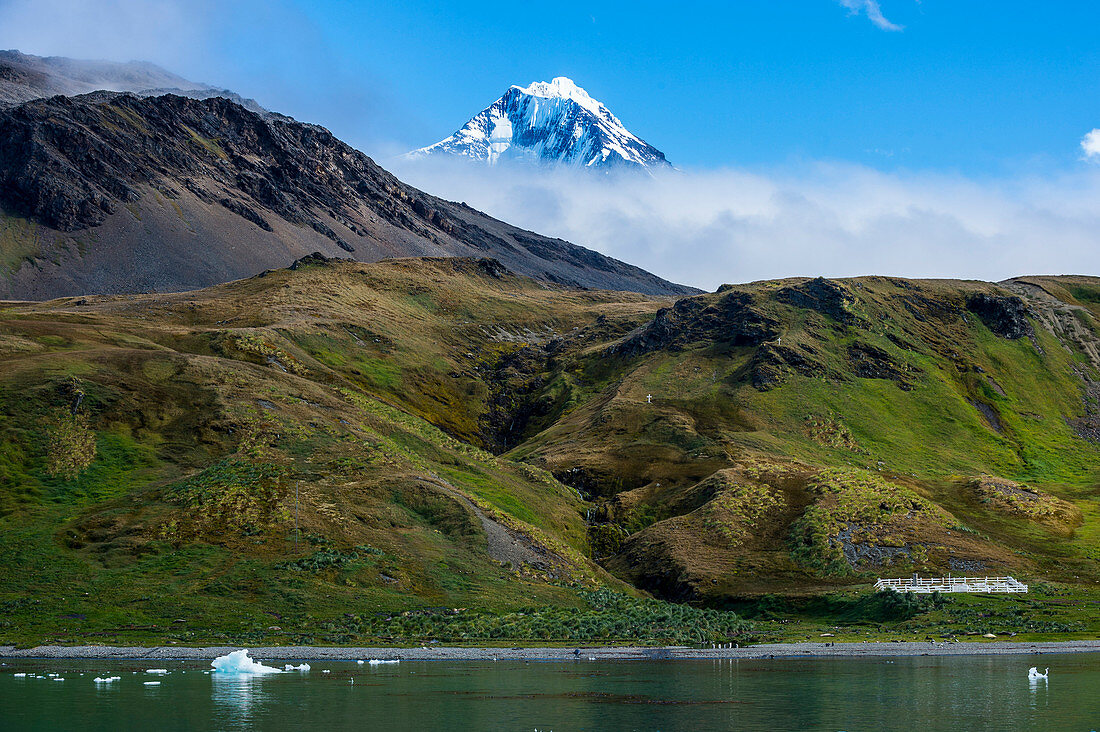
(978,87)
(970,85)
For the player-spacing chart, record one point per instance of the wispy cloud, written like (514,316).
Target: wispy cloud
(708,227)
(161,30)
(871,9)
(1090,143)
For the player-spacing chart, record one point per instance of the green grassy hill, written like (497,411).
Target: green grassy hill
(805,433)
(435,448)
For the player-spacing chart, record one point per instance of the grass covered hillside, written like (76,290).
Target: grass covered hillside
(436,448)
(804,433)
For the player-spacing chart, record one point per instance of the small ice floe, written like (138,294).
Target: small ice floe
(152,683)
(156,670)
(326,671)
(380,661)
(59,679)
(106,679)
(359,662)
(240,664)
(299,667)
(20,675)
(1034,675)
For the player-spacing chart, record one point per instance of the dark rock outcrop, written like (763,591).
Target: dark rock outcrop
(1005,315)
(315,259)
(819,294)
(731,320)
(772,364)
(871,362)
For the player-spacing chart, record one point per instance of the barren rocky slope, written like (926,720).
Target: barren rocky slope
(111,192)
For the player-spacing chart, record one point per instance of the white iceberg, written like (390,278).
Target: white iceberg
(152,683)
(379,661)
(106,679)
(20,675)
(292,667)
(156,670)
(240,664)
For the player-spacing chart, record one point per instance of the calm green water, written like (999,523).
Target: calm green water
(962,693)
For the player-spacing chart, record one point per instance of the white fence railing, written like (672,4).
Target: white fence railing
(952,584)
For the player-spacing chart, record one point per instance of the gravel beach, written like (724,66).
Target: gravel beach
(598,653)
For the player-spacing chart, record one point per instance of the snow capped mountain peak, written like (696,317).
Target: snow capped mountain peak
(548,122)
(563,87)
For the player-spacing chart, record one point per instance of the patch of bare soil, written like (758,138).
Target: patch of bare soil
(504,544)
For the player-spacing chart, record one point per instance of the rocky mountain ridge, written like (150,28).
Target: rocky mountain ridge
(24,77)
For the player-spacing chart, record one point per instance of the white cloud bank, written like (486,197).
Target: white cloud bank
(707,228)
(871,9)
(1090,144)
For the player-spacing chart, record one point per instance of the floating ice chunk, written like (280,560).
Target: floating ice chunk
(380,661)
(20,675)
(59,679)
(292,667)
(152,683)
(326,671)
(156,670)
(359,662)
(239,663)
(106,679)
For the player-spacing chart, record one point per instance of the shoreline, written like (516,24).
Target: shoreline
(573,653)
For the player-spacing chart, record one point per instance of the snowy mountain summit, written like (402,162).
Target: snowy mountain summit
(549,122)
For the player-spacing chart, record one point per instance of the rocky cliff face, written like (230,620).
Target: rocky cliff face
(111,192)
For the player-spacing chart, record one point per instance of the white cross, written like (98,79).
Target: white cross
(648,398)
